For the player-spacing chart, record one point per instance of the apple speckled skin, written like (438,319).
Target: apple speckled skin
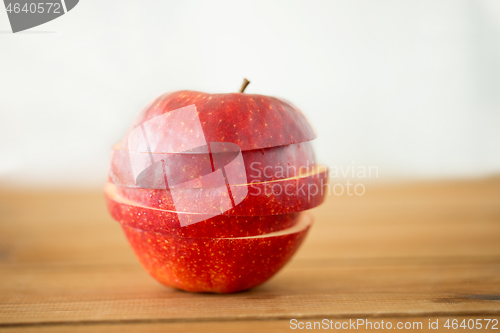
(218,265)
(250,121)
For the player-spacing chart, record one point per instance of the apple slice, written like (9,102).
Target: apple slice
(189,119)
(282,196)
(259,165)
(218,265)
(129,213)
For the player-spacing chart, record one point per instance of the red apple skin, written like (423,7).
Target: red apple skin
(167,222)
(261,165)
(216,265)
(250,121)
(268,198)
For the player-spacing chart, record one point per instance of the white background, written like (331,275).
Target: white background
(412,87)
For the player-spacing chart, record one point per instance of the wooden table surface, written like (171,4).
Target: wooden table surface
(400,253)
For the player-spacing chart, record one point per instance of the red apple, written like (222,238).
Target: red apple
(219,265)
(209,188)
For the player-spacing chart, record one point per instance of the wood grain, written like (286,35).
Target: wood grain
(417,250)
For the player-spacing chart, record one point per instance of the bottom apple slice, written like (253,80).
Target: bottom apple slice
(218,265)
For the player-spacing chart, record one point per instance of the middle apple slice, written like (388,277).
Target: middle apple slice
(281,196)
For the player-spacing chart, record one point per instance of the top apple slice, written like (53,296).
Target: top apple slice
(182,120)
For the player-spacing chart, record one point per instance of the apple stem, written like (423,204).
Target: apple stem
(244,85)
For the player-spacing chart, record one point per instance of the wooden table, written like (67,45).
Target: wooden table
(400,253)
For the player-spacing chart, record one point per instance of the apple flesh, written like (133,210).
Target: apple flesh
(217,265)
